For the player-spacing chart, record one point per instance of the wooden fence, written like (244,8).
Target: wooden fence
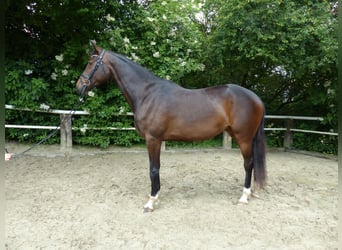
(66,128)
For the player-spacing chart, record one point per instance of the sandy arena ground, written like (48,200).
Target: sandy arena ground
(93,199)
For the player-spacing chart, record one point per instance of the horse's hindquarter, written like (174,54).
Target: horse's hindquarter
(246,112)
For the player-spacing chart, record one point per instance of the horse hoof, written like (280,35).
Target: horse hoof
(148,210)
(243,201)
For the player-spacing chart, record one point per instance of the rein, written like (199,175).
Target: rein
(88,78)
(54,131)
(80,100)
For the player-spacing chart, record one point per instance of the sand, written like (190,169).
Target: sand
(93,199)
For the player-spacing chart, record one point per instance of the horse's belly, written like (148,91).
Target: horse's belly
(185,131)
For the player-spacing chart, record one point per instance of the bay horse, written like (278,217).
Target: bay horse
(165,111)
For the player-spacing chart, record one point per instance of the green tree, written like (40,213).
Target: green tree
(284,49)
(47,49)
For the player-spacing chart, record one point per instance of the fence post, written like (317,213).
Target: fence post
(226,140)
(288,138)
(66,132)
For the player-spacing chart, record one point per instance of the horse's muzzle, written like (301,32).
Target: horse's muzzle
(83,90)
(81,87)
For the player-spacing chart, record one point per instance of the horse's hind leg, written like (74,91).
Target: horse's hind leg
(246,150)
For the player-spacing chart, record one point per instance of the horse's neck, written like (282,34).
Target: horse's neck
(132,79)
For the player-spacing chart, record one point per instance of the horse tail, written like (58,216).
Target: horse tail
(259,152)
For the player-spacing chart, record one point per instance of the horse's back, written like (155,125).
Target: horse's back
(244,94)
(236,100)
(171,112)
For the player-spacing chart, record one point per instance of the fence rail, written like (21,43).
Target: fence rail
(66,128)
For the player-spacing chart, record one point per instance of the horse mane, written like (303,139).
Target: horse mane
(140,70)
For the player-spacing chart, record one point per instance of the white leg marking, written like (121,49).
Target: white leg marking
(149,204)
(245,195)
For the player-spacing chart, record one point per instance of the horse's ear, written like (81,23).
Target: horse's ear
(97,48)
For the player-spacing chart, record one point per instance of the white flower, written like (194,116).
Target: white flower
(163,3)
(134,57)
(54,76)
(64,72)
(91,93)
(59,58)
(164,17)
(44,106)
(109,18)
(168,77)
(202,67)
(153,43)
(25,135)
(327,84)
(183,64)
(150,19)
(122,110)
(331,92)
(134,47)
(156,54)
(28,72)
(84,129)
(126,40)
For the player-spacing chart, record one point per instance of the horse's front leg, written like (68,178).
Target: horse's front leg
(153,146)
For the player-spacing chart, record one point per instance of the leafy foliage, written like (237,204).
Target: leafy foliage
(285,51)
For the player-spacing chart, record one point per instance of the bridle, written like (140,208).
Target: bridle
(91,74)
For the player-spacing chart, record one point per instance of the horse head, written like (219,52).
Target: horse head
(96,72)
